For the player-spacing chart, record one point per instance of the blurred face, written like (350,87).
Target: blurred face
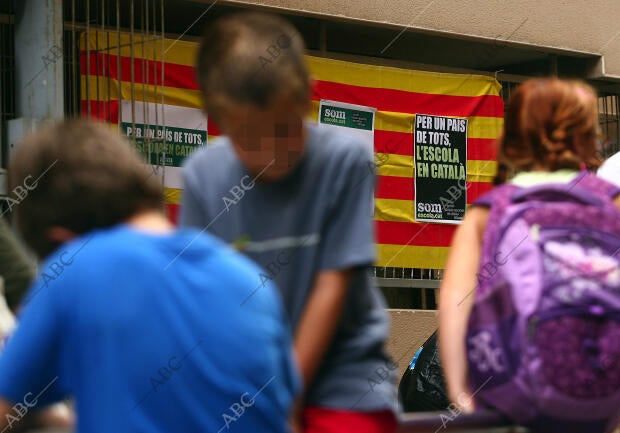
(270,141)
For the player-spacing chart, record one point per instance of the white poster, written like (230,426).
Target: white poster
(356,119)
(165,135)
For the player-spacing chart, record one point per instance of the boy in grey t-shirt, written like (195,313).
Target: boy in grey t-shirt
(295,198)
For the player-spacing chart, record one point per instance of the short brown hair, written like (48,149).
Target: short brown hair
(550,122)
(82,176)
(249,57)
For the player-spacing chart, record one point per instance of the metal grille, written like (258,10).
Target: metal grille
(7,86)
(7,77)
(609,120)
(409,287)
(90,75)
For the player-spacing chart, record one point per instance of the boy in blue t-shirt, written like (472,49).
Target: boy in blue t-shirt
(296,199)
(139,345)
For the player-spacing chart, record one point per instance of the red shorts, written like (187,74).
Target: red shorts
(321,420)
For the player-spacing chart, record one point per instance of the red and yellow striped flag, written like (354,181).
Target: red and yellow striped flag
(397,94)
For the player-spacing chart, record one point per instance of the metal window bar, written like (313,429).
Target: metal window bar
(7,95)
(609,121)
(7,77)
(424,283)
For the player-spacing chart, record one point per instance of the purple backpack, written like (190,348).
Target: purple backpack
(543,341)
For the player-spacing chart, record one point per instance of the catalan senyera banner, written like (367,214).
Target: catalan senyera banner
(163,73)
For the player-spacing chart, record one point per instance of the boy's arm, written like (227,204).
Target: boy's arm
(5,409)
(456,297)
(15,268)
(30,361)
(347,243)
(319,320)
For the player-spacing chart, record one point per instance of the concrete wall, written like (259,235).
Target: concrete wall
(560,26)
(410,328)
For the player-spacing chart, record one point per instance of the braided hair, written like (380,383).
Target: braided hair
(550,124)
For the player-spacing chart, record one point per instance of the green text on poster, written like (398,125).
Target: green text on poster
(167,146)
(347,117)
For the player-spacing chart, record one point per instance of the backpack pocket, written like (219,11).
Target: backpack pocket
(576,330)
(579,354)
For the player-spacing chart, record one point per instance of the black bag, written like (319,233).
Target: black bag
(422,388)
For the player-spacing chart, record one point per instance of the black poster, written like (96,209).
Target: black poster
(440,161)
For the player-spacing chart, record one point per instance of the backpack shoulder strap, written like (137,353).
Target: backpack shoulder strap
(497,201)
(498,196)
(596,186)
